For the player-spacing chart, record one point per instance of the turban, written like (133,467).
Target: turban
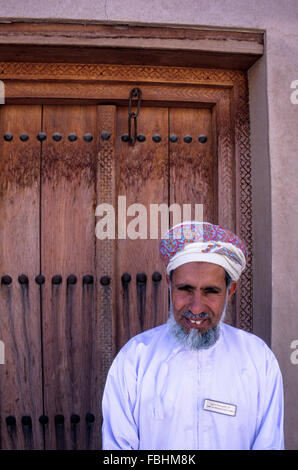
(201,241)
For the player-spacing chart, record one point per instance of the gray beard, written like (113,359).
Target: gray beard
(194,340)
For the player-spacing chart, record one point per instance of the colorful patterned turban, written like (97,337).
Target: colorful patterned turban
(202,241)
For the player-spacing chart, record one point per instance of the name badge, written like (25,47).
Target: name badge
(220,407)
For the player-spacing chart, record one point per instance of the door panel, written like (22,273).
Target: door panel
(20,376)
(142,177)
(192,163)
(68,250)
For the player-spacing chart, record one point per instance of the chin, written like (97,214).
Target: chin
(193,338)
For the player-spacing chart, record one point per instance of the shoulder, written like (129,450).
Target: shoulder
(242,335)
(144,346)
(145,340)
(249,345)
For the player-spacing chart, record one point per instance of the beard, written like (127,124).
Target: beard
(194,340)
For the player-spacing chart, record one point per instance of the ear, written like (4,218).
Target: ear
(232,289)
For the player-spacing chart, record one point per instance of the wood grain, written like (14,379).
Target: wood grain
(67,233)
(142,177)
(193,166)
(127,44)
(20,376)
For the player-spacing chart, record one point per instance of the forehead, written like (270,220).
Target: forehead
(199,272)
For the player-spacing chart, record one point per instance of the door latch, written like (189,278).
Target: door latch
(132,116)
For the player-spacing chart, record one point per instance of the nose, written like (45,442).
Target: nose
(197,305)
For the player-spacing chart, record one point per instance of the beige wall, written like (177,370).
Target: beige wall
(274,122)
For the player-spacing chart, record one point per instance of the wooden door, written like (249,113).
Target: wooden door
(62,329)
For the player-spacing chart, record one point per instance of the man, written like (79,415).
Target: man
(195,382)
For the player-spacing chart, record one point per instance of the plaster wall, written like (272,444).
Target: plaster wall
(274,121)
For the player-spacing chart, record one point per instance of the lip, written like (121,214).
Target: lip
(191,324)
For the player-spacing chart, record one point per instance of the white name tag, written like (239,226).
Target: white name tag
(220,407)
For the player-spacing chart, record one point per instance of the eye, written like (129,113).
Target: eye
(185,288)
(211,290)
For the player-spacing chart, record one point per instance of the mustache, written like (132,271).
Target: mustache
(192,316)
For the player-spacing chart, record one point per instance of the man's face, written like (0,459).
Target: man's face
(198,295)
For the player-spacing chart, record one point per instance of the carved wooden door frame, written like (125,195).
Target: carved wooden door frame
(224,91)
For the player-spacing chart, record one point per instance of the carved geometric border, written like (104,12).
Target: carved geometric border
(244,226)
(68,71)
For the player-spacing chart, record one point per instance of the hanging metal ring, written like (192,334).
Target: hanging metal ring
(134,93)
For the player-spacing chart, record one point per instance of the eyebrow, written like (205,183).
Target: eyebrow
(189,286)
